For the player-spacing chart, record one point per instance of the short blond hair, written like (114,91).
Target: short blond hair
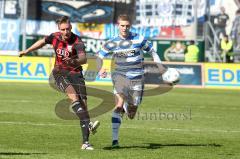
(123,17)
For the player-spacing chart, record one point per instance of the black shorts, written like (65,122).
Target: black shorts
(63,80)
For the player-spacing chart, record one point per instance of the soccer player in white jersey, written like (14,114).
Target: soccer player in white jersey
(127,51)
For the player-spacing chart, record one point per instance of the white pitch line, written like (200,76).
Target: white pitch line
(16,101)
(124,127)
(194,130)
(32,123)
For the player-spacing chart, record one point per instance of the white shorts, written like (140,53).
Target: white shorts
(132,89)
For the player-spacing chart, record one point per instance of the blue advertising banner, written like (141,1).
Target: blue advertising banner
(190,74)
(37,69)
(30,69)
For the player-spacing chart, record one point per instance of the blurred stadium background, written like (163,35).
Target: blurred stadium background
(209,127)
(169,24)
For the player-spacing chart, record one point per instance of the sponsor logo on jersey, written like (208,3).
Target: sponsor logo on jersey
(127,53)
(62,53)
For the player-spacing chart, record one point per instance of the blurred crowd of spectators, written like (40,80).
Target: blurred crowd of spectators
(229,42)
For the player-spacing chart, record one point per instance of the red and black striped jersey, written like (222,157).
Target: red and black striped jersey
(64,50)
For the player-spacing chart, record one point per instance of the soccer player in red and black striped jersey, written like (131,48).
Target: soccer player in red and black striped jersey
(67,72)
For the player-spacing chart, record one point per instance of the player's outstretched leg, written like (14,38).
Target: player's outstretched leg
(116,122)
(80,109)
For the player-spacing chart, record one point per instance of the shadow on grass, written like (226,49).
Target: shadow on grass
(157,146)
(19,154)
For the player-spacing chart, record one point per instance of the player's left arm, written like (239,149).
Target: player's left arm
(147,46)
(164,70)
(157,59)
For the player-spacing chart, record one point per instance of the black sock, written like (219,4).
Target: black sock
(83,115)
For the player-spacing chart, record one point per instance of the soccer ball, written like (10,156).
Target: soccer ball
(171,76)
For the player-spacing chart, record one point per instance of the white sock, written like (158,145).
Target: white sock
(116,122)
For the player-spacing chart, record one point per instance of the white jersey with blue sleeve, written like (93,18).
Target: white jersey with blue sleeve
(127,54)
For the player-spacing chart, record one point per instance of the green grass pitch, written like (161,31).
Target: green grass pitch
(180,124)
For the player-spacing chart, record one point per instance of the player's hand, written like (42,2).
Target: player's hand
(68,61)
(103,73)
(22,53)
